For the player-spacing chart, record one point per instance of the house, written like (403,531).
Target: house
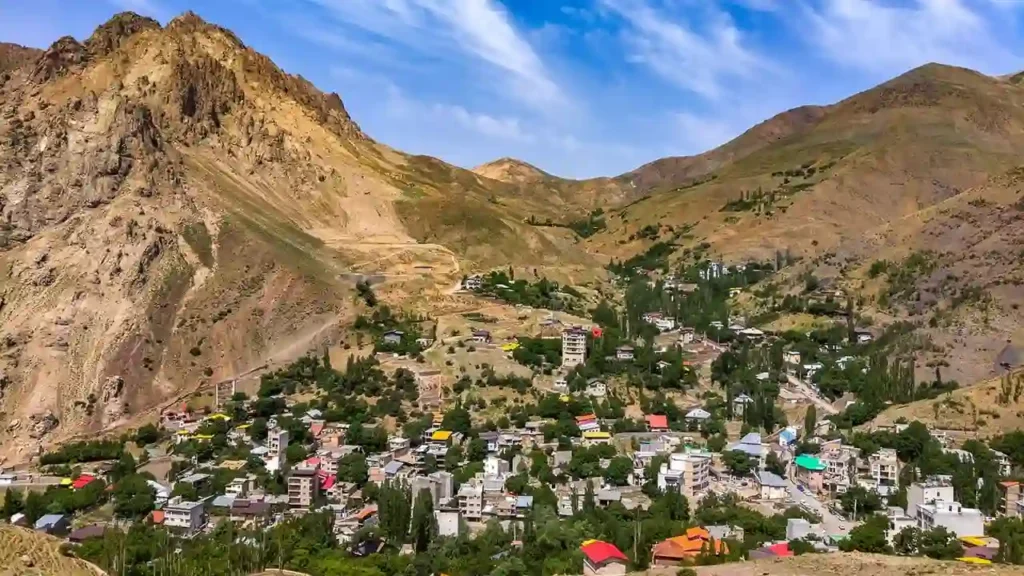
(657,422)
(448,522)
(685,336)
(602,559)
(596,388)
(787,436)
(474,282)
(587,423)
(184,514)
(238,487)
(471,501)
(863,336)
(1003,461)
(424,342)
(810,472)
(685,548)
(751,445)
(91,532)
(811,369)
(393,337)
(561,385)
(739,405)
(54,524)
(481,336)
(494,466)
(249,512)
(884,468)
(688,473)
(697,415)
(773,487)
(596,437)
(791,357)
(82,481)
(624,353)
(752,334)
(952,516)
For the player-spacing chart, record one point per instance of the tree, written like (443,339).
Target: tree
(395,509)
(352,468)
(452,458)
(133,497)
(258,429)
(618,471)
(775,465)
(457,420)
(739,463)
(860,502)
(868,537)
(477,450)
(800,547)
(148,434)
(424,525)
(905,542)
(517,484)
(589,503)
(14,503)
(295,453)
(810,421)
(940,543)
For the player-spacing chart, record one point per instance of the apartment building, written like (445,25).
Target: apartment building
(185,515)
(303,487)
(932,489)
(884,467)
(688,472)
(574,347)
(1009,498)
(840,467)
(471,501)
(277,444)
(952,516)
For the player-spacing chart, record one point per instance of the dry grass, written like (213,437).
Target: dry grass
(28,553)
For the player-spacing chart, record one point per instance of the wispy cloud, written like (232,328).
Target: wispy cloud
(883,37)
(480,30)
(699,60)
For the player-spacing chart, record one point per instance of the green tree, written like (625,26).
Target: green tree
(394,509)
(453,457)
(810,421)
(148,434)
(940,543)
(618,471)
(775,465)
(906,541)
(868,537)
(800,547)
(860,502)
(424,525)
(477,450)
(14,503)
(258,429)
(353,468)
(739,463)
(133,497)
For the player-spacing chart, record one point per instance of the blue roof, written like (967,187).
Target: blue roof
(767,478)
(752,438)
(223,501)
(393,467)
(49,520)
(787,435)
(524,502)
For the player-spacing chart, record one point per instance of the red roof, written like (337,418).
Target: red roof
(585,417)
(657,421)
(316,428)
(158,516)
(82,481)
(780,549)
(598,552)
(326,480)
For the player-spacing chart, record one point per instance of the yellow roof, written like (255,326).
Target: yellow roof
(588,542)
(564,398)
(204,436)
(242,426)
(974,560)
(218,416)
(183,432)
(441,435)
(974,540)
(65,482)
(596,435)
(510,346)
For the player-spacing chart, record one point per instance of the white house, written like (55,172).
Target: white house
(791,357)
(596,389)
(772,486)
(624,353)
(184,514)
(697,415)
(685,336)
(665,324)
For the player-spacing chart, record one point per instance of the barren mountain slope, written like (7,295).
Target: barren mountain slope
(865,162)
(177,210)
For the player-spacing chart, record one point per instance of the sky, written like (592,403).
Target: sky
(579,88)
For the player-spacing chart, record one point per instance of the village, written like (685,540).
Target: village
(256,462)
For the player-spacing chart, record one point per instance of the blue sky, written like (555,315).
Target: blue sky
(578,87)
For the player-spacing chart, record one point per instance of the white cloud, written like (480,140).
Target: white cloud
(882,37)
(505,128)
(701,133)
(480,30)
(700,61)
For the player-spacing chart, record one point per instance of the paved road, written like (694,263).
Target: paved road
(811,395)
(833,524)
(33,481)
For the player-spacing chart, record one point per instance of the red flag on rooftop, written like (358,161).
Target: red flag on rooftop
(596,331)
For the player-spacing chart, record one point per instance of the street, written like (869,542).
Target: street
(811,395)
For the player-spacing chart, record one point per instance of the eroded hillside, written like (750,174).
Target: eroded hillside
(177,211)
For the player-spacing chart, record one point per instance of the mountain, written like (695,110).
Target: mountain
(512,171)
(178,211)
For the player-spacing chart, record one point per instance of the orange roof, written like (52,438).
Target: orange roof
(158,516)
(366,512)
(586,417)
(1009,483)
(688,545)
(657,420)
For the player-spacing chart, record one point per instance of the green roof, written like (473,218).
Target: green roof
(809,462)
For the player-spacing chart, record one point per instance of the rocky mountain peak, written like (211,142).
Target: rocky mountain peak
(63,55)
(109,36)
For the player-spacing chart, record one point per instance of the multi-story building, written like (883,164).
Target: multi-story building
(303,487)
(932,489)
(840,467)
(1003,461)
(471,501)
(688,472)
(277,444)
(952,516)
(884,467)
(574,347)
(494,466)
(448,522)
(440,485)
(898,520)
(239,487)
(185,515)
(1009,498)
